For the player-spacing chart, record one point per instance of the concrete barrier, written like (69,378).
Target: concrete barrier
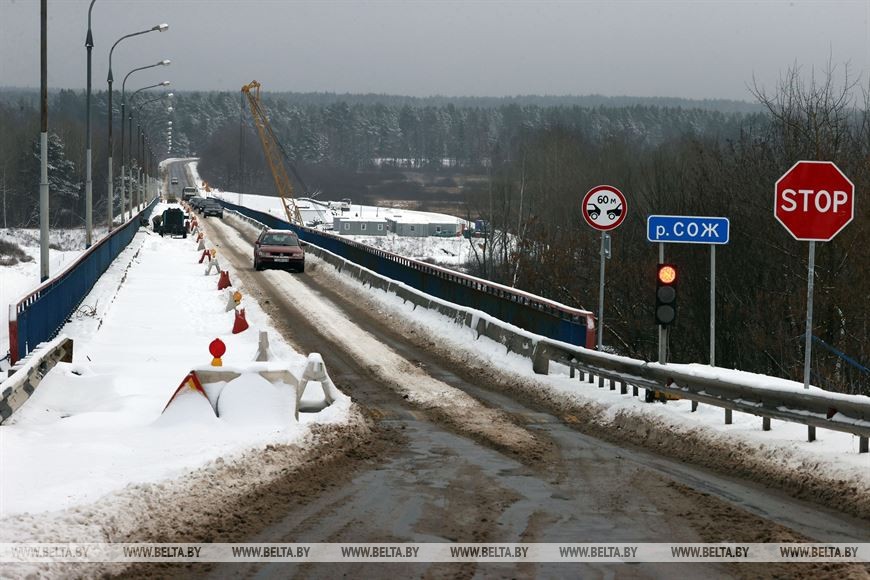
(27,373)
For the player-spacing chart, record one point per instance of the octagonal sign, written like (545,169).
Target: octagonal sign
(814,200)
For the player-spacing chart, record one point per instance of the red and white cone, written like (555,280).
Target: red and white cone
(205,254)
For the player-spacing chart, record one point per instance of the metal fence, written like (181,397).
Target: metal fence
(527,311)
(40,315)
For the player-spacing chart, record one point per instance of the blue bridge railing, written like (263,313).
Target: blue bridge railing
(41,314)
(527,311)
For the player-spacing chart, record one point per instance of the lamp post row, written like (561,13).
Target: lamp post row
(89,43)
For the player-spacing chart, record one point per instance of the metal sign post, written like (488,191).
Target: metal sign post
(604,208)
(814,201)
(809,331)
(712,305)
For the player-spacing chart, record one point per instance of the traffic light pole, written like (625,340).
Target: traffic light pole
(663,330)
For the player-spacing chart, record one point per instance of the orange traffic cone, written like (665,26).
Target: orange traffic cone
(199,236)
(224,281)
(240,324)
(205,254)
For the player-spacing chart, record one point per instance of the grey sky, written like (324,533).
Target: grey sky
(654,48)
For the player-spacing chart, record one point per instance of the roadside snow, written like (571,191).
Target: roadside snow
(94,427)
(833,455)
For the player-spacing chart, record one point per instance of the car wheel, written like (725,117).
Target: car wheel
(301,268)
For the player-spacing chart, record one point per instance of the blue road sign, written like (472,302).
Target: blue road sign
(687,229)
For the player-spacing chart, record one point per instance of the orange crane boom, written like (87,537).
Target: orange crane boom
(272,149)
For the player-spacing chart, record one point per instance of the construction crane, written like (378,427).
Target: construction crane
(274,151)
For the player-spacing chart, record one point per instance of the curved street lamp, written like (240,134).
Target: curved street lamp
(110,78)
(124,184)
(142,171)
(127,187)
(89,187)
(147,126)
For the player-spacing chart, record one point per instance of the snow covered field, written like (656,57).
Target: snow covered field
(93,430)
(19,279)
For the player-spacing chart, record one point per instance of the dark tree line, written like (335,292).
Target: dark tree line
(540,242)
(20,158)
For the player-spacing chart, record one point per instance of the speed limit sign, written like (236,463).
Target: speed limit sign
(604,207)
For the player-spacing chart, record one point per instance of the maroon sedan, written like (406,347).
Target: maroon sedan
(278,248)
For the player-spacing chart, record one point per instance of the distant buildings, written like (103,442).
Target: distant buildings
(413,225)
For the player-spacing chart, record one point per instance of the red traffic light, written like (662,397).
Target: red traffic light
(667,274)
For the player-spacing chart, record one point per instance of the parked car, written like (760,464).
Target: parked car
(172,223)
(212,208)
(279,248)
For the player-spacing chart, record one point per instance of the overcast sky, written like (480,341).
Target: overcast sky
(692,49)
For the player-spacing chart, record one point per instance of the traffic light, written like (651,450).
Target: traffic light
(666,294)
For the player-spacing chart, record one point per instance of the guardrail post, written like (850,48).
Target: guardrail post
(623,388)
(765,423)
(863,446)
(694,406)
(572,372)
(590,378)
(600,381)
(634,392)
(727,416)
(811,433)
(540,360)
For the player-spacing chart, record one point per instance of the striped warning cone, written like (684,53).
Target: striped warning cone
(224,280)
(201,245)
(205,254)
(240,324)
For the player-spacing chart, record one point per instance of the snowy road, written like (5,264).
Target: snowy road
(429,475)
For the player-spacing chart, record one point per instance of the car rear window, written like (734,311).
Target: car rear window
(280,240)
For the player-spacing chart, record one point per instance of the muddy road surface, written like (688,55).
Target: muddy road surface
(432,474)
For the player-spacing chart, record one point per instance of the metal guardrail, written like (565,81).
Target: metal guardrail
(525,310)
(813,408)
(26,375)
(39,316)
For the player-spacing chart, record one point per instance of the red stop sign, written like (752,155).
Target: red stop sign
(814,200)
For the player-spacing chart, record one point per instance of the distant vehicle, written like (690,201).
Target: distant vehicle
(187,193)
(210,207)
(174,181)
(172,223)
(278,248)
(345,204)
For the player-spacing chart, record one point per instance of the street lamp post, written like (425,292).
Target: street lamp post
(125,188)
(140,133)
(110,79)
(124,197)
(89,186)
